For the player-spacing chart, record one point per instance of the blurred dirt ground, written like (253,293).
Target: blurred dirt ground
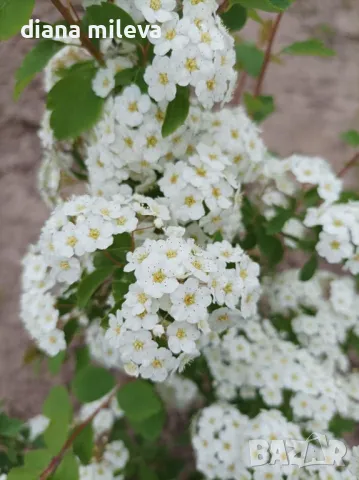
(316,100)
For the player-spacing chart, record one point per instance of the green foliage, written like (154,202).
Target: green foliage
(260,107)
(308,270)
(58,409)
(13,15)
(143,408)
(235,18)
(73,104)
(34,62)
(125,77)
(37,460)
(121,283)
(68,468)
(276,224)
(177,111)
(91,383)
(312,46)
(266,5)
(84,444)
(270,246)
(249,58)
(102,14)
(9,427)
(91,283)
(351,137)
(55,363)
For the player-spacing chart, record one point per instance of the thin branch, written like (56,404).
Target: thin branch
(222,8)
(349,165)
(239,88)
(55,462)
(86,42)
(267,56)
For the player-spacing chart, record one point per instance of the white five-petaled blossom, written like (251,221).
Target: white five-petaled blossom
(156,10)
(161,79)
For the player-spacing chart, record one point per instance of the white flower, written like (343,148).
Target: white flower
(137,346)
(67,270)
(156,10)
(37,425)
(208,39)
(158,364)
(152,277)
(116,454)
(190,302)
(116,331)
(188,205)
(161,79)
(131,106)
(53,342)
(94,234)
(189,65)
(151,143)
(103,82)
(172,37)
(334,249)
(182,337)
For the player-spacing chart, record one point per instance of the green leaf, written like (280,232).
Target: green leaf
(177,111)
(121,283)
(311,197)
(75,107)
(13,15)
(249,58)
(146,473)
(9,427)
(125,77)
(91,383)
(270,246)
(151,427)
(22,473)
(84,444)
(235,18)
(139,401)
(82,356)
(351,137)
(37,460)
(266,5)
(58,409)
(276,224)
(260,107)
(68,468)
(339,425)
(34,62)
(102,14)
(90,284)
(348,196)
(308,270)
(313,47)
(55,363)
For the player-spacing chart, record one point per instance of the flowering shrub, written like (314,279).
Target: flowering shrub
(161,274)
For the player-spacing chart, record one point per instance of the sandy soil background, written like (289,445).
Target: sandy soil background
(316,100)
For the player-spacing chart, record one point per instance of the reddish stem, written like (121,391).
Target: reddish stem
(267,56)
(349,165)
(55,462)
(86,42)
(240,87)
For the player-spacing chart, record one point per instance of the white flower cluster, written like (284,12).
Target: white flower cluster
(193,49)
(252,359)
(321,312)
(176,284)
(221,436)
(178,392)
(203,164)
(74,230)
(339,238)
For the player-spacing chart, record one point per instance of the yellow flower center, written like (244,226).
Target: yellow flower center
(71,241)
(163,78)
(189,201)
(64,265)
(155,5)
(94,233)
(159,276)
(191,64)
(138,345)
(181,333)
(189,299)
(170,35)
(133,107)
(151,141)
